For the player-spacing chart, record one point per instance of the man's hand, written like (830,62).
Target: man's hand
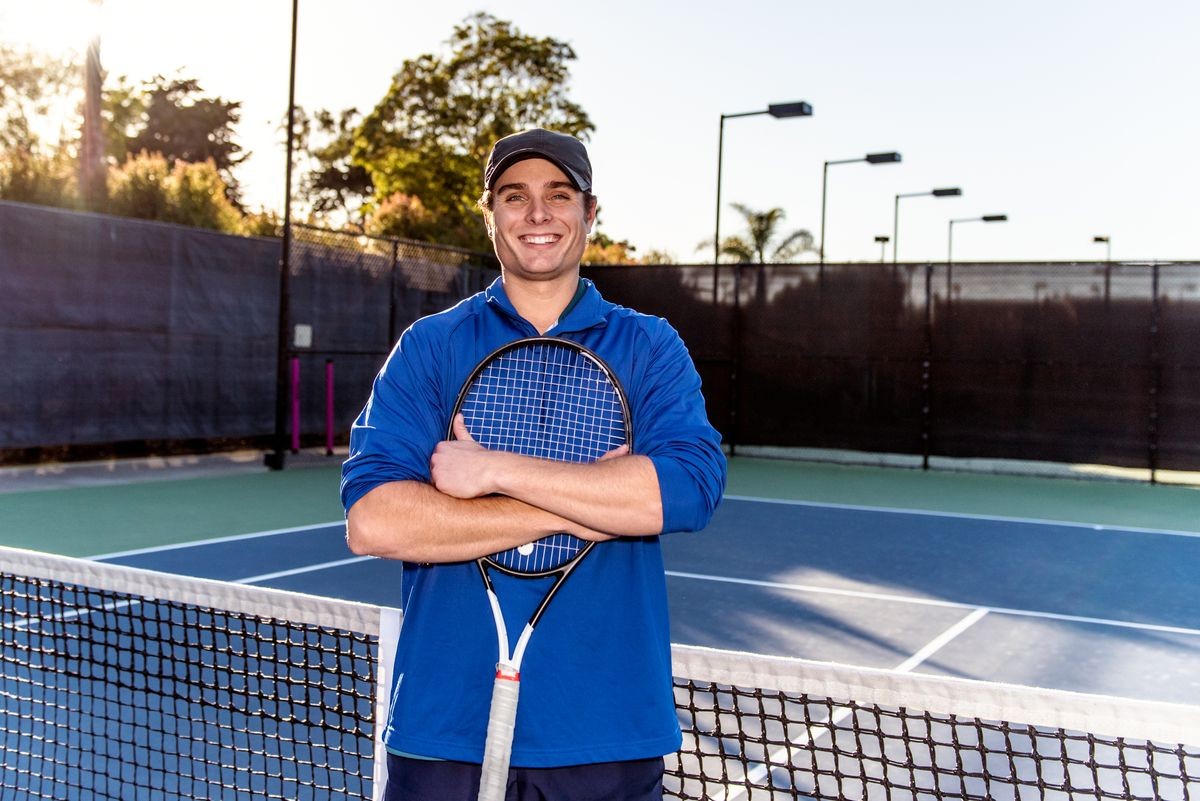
(459,466)
(463,468)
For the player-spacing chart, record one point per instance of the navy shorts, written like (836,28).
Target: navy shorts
(425,780)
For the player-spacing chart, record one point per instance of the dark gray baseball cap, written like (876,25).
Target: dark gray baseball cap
(566,152)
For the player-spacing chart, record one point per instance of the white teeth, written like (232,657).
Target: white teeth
(541,240)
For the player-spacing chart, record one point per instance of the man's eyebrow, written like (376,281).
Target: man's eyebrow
(511,187)
(522,187)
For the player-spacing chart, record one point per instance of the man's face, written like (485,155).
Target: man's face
(540,225)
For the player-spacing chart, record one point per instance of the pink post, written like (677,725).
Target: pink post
(295,405)
(329,407)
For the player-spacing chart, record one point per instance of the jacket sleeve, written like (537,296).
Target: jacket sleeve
(671,427)
(395,433)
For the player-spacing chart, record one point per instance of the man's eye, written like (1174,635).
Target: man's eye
(513,198)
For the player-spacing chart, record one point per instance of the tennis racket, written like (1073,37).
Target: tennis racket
(551,399)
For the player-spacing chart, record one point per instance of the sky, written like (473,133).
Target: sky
(1076,118)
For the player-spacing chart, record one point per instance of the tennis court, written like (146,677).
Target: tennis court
(1039,582)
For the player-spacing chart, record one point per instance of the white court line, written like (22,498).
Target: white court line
(298,570)
(212,541)
(878,596)
(779,756)
(1034,521)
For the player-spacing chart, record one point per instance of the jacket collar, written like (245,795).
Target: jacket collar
(589,312)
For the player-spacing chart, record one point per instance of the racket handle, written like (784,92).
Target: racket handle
(497,750)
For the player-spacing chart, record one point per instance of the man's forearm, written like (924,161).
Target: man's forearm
(415,522)
(618,496)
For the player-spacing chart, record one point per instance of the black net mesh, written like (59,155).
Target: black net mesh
(118,683)
(114,695)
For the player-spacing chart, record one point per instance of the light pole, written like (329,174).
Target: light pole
(987,218)
(1107,245)
(92,177)
(950,192)
(882,239)
(776,110)
(870,158)
(277,458)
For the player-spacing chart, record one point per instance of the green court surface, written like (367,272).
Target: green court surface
(102,508)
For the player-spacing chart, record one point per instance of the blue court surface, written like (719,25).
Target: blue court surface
(1078,607)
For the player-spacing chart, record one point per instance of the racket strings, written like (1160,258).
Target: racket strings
(548,401)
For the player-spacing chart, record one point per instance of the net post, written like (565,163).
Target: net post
(329,407)
(390,621)
(295,364)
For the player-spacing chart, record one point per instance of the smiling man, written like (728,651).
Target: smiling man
(597,711)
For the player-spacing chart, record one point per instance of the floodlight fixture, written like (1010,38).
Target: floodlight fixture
(797,109)
(883,158)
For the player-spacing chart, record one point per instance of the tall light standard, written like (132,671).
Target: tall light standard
(1107,245)
(776,110)
(950,192)
(870,158)
(92,176)
(987,218)
(277,458)
(882,239)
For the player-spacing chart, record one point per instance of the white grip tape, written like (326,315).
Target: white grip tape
(501,721)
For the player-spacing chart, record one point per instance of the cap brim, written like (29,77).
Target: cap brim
(523,155)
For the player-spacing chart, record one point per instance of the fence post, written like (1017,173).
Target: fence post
(329,407)
(736,360)
(1155,378)
(927,373)
(392,295)
(295,404)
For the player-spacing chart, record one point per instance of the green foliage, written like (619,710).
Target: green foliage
(603,249)
(430,135)
(29,176)
(338,189)
(171,117)
(150,188)
(757,244)
(403,216)
(261,223)
(31,84)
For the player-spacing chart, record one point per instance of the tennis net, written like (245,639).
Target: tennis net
(118,683)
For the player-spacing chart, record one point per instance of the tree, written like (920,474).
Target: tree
(761,230)
(429,136)
(32,87)
(338,189)
(603,249)
(150,187)
(171,117)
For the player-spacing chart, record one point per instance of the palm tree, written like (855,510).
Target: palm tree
(761,229)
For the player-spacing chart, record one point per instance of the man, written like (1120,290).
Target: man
(597,712)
